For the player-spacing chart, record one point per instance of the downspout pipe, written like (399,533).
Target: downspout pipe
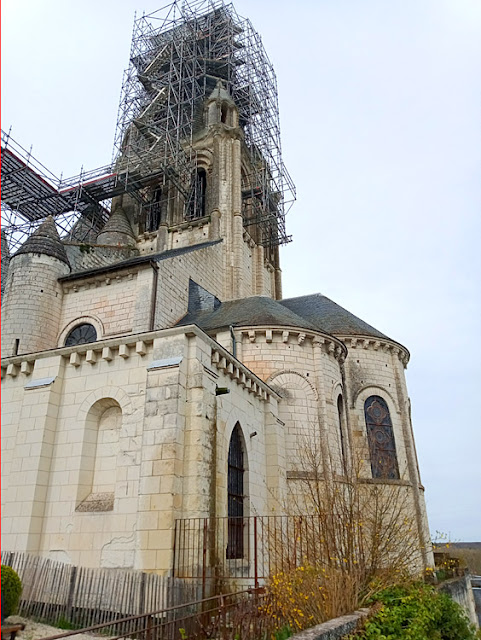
(234,343)
(153,297)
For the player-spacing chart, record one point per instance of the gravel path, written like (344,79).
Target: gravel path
(36,630)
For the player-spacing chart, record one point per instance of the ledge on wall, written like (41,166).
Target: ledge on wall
(334,629)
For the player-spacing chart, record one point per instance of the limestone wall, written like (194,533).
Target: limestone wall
(32,304)
(370,372)
(305,370)
(107,301)
(203,265)
(375,367)
(105,445)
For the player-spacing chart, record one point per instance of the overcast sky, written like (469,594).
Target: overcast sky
(380,104)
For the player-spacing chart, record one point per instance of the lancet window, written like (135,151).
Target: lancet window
(380,435)
(235,495)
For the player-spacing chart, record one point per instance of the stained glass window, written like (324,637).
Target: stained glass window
(235,496)
(81,334)
(382,447)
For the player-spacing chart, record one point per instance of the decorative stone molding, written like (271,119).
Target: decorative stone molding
(376,344)
(75,359)
(331,345)
(26,367)
(140,348)
(107,354)
(93,281)
(307,384)
(91,356)
(12,370)
(121,347)
(115,395)
(124,351)
(295,474)
(225,362)
(93,320)
(186,226)
(376,389)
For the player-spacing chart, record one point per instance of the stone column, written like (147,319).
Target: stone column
(237,225)
(275,459)
(318,349)
(161,470)
(419,506)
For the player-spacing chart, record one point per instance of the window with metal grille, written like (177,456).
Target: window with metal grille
(380,435)
(235,496)
(81,334)
(342,444)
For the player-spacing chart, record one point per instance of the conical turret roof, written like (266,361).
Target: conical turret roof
(45,240)
(119,229)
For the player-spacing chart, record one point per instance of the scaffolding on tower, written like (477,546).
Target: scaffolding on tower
(178,56)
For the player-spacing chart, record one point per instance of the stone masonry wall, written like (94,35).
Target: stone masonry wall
(32,304)
(168,464)
(108,298)
(203,265)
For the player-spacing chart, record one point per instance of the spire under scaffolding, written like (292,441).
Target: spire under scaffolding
(179,55)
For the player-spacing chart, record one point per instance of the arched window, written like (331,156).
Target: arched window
(153,211)
(382,447)
(224,112)
(196,207)
(235,495)
(81,334)
(342,444)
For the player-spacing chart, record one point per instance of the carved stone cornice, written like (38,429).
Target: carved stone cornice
(302,337)
(377,344)
(225,362)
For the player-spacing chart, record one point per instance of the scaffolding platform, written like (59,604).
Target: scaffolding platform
(178,55)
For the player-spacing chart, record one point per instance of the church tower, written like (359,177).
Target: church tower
(33,296)
(204,144)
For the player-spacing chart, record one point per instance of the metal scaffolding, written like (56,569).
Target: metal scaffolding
(30,193)
(178,55)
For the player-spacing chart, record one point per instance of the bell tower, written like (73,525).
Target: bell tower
(198,142)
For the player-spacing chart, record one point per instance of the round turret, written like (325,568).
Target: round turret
(33,296)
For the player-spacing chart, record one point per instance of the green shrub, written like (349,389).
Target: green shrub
(11,590)
(416,612)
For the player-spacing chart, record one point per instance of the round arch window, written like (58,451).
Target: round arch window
(81,334)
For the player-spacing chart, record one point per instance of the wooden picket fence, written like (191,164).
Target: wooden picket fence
(55,592)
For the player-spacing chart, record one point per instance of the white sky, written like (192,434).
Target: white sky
(381,125)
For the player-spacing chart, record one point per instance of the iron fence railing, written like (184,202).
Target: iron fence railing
(270,544)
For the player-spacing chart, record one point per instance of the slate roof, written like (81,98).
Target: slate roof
(330,317)
(254,311)
(118,223)
(315,312)
(45,240)
(131,262)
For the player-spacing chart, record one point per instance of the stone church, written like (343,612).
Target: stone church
(152,370)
